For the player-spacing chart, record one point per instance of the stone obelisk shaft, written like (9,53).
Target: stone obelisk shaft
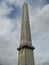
(25,29)
(26,55)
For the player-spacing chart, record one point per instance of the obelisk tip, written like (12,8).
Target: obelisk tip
(25,1)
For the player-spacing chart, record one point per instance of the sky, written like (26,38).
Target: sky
(10,30)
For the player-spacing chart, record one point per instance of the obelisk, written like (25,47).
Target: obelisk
(26,55)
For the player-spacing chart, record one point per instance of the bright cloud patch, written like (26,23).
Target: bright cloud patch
(41,20)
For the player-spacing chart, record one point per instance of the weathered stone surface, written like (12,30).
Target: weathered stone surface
(25,29)
(26,56)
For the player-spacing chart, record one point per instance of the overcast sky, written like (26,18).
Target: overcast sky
(10,28)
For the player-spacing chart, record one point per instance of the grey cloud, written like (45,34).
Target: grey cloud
(8,41)
(4,9)
(8,50)
(9,37)
(40,33)
(37,3)
(41,21)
